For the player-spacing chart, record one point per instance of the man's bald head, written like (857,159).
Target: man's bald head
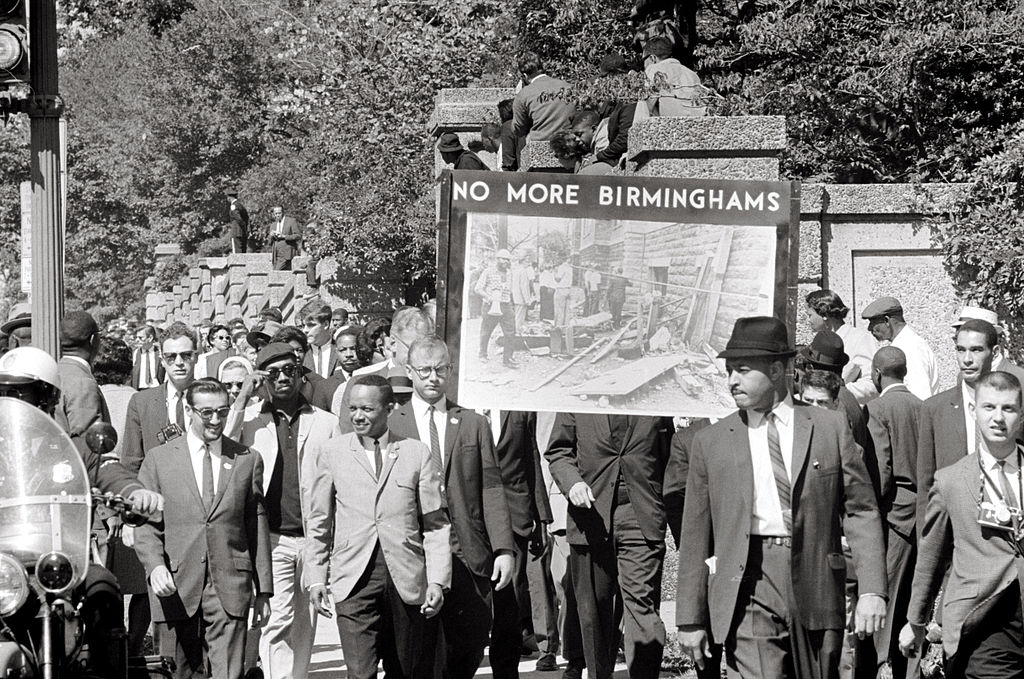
(889,366)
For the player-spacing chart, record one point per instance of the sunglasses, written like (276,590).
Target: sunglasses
(206,414)
(236,385)
(439,370)
(288,371)
(185,356)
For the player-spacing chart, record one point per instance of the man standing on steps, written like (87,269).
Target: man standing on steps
(238,222)
(283,239)
(462,448)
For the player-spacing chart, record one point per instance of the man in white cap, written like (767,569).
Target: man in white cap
(495,287)
(1002,359)
(886,323)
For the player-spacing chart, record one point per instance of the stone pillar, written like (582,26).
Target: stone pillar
(536,156)
(247,284)
(714,147)
(195,282)
(464,111)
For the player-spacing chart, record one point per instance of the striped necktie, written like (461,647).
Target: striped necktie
(779,470)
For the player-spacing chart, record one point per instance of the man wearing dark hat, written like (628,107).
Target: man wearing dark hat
(81,402)
(17,331)
(886,323)
(452,153)
(763,571)
(238,222)
(284,430)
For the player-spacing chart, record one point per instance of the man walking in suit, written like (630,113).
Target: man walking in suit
(762,570)
(284,431)
(462,449)
(515,439)
(147,370)
(211,551)
(238,222)
(345,343)
(283,239)
(322,357)
(612,469)
(378,527)
(544,105)
(893,420)
(948,430)
(81,402)
(974,515)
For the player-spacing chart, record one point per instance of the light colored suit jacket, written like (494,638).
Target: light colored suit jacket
(983,562)
(351,511)
(231,541)
(542,108)
(259,433)
(81,401)
(830,485)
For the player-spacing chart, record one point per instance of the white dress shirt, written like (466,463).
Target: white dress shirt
(195,453)
(922,370)
(321,358)
(766,516)
(860,345)
(172,404)
(420,410)
(368,449)
(148,361)
(991,465)
(969,421)
(494,417)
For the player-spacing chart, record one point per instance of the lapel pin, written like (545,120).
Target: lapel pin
(455,420)
(816,464)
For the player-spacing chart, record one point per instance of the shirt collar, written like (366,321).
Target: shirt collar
(303,406)
(384,440)
(195,444)
(537,77)
(783,413)
(172,392)
(420,407)
(891,387)
(967,392)
(80,361)
(990,463)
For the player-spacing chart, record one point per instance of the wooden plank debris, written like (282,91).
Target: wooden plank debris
(630,377)
(571,363)
(615,341)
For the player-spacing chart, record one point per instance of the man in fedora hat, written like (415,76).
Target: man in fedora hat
(452,153)
(767,484)
(886,323)
(17,331)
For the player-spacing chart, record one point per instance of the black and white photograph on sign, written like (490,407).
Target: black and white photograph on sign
(583,314)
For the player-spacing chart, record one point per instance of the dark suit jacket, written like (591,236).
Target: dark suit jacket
(287,247)
(620,122)
(675,474)
(580,449)
(521,474)
(233,540)
(238,218)
(468,160)
(472,484)
(81,401)
(983,562)
(509,148)
(318,391)
(214,361)
(161,372)
(941,440)
(830,483)
(893,420)
(333,361)
(147,414)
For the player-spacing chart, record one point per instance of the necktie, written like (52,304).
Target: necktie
(1004,485)
(179,410)
(378,462)
(435,442)
(208,489)
(779,470)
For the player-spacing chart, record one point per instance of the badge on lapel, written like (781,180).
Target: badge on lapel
(227,465)
(815,464)
(454,420)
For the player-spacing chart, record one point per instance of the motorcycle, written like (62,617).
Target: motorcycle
(51,600)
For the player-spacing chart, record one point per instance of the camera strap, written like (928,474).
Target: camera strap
(995,489)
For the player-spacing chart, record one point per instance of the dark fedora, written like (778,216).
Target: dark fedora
(449,143)
(825,352)
(758,336)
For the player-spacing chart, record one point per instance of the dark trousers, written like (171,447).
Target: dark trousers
(615,307)
(466,621)
(900,556)
(312,280)
(507,320)
(626,569)
(238,244)
(210,636)
(544,600)
(374,624)
(506,631)
(995,648)
(765,640)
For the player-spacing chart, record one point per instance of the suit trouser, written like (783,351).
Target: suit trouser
(566,610)
(615,307)
(520,317)
(508,330)
(900,556)
(544,600)
(563,298)
(466,621)
(209,635)
(626,569)
(506,632)
(238,244)
(994,649)
(375,624)
(765,640)
(286,643)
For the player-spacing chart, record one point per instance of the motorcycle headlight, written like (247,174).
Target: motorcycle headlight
(13,585)
(55,572)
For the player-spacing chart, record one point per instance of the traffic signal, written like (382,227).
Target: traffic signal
(14,54)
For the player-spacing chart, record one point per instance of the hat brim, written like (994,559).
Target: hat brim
(450,149)
(12,325)
(256,336)
(755,353)
(806,355)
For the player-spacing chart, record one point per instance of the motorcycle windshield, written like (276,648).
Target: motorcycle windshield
(44,489)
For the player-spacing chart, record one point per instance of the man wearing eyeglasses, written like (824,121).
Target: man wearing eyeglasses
(155,416)
(212,550)
(284,430)
(462,449)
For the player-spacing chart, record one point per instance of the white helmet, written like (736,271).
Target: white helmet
(28,364)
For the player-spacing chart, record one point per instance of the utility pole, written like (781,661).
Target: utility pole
(44,109)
